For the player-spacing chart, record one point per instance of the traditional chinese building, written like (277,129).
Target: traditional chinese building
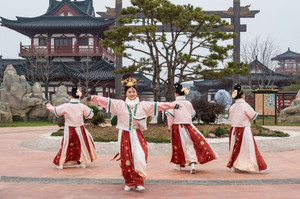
(65,38)
(260,77)
(288,62)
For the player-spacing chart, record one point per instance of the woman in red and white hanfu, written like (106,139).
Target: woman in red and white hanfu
(77,146)
(188,144)
(244,154)
(132,116)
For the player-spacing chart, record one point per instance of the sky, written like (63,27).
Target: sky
(277,19)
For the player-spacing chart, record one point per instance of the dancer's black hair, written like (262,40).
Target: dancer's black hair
(74,91)
(240,92)
(178,88)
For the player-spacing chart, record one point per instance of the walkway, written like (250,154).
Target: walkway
(29,173)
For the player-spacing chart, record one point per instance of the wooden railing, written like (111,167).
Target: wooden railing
(66,51)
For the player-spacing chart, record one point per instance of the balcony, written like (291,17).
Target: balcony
(66,51)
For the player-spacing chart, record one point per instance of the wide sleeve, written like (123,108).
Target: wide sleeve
(111,105)
(152,108)
(57,110)
(170,116)
(88,112)
(251,114)
(163,106)
(100,101)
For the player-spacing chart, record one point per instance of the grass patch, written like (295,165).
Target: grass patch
(24,124)
(60,132)
(158,133)
(157,140)
(270,121)
(100,139)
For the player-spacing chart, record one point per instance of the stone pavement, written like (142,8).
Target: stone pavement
(27,171)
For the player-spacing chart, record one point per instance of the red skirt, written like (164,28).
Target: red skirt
(244,154)
(189,145)
(130,145)
(76,145)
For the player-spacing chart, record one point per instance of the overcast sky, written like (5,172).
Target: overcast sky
(277,19)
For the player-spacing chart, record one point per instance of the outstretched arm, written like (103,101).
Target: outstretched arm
(152,108)
(58,111)
(50,107)
(163,106)
(100,101)
(88,112)
(110,105)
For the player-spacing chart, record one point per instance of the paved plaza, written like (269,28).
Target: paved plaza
(27,171)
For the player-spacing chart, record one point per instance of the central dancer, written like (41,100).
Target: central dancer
(132,119)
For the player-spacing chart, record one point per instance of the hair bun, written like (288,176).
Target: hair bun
(237,87)
(74,88)
(178,88)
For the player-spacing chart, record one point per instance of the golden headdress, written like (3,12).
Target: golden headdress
(129,82)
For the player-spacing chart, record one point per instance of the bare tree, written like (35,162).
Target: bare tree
(263,51)
(40,69)
(47,72)
(85,73)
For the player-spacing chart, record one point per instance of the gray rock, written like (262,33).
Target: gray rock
(292,113)
(5,113)
(25,102)
(38,113)
(60,97)
(293,119)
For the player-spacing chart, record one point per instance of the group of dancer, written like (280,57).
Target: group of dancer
(189,146)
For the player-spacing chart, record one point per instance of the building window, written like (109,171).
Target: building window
(84,41)
(43,41)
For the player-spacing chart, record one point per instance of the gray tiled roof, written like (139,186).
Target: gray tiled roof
(286,55)
(85,18)
(100,70)
(58,21)
(81,7)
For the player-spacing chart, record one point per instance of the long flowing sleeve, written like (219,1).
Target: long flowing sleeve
(152,108)
(100,101)
(88,112)
(111,105)
(58,110)
(170,117)
(163,106)
(250,112)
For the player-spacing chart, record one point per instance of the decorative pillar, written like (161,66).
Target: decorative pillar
(32,43)
(49,43)
(76,43)
(237,40)
(104,90)
(119,60)
(95,44)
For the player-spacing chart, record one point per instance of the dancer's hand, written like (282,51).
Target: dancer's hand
(46,101)
(87,98)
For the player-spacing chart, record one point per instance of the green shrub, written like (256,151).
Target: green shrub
(207,111)
(114,120)
(221,131)
(98,118)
